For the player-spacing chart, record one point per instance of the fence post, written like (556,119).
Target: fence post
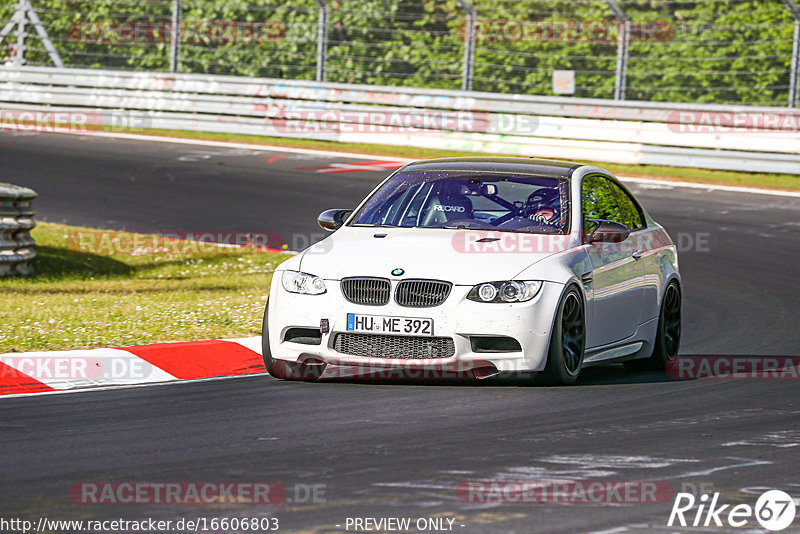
(21,48)
(24,14)
(175,36)
(469,45)
(322,40)
(621,79)
(794,79)
(48,44)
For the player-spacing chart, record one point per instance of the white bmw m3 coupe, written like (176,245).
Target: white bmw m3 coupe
(485,266)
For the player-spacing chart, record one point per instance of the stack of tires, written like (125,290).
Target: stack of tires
(16,222)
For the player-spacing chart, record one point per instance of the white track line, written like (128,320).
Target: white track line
(225,144)
(332,153)
(711,187)
(252,343)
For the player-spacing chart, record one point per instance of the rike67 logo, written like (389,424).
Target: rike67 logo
(774,510)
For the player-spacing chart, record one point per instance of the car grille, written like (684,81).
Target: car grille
(367,291)
(422,293)
(385,346)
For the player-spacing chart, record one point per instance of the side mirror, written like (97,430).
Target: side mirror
(608,231)
(331,220)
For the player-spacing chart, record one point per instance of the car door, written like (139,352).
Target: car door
(616,278)
(641,243)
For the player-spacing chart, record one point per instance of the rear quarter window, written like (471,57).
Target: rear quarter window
(629,210)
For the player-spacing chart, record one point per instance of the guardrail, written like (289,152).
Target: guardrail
(757,139)
(16,222)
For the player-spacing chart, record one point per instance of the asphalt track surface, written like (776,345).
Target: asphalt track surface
(399,449)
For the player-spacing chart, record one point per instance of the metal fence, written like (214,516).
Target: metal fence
(705,51)
(690,135)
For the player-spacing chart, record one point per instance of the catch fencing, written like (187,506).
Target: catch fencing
(702,51)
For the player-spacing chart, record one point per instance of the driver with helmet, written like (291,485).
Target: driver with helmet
(544,207)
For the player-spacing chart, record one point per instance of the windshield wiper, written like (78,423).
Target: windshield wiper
(454,227)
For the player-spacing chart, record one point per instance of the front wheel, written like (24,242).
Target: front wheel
(668,334)
(281,369)
(567,341)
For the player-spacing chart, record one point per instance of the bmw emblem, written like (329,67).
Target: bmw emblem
(398,272)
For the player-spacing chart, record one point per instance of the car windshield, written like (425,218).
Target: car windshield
(458,199)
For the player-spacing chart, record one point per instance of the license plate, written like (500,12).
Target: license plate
(407,326)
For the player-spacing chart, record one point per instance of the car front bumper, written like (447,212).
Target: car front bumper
(529,323)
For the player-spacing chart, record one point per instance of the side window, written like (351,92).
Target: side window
(631,215)
(598,201)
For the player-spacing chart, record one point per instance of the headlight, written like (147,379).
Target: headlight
(509,291)
(303,283)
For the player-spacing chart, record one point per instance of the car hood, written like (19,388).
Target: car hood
(436,253)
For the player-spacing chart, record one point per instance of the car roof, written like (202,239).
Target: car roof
(532,166)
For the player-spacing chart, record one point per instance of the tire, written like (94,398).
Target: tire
(668,334)
(281,369)
(567,341)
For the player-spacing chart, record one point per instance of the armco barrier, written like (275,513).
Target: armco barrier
(16,221)
(757,139)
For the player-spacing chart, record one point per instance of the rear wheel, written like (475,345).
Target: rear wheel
(567,341)
(281,369)
(668,334)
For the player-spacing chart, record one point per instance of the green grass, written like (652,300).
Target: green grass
(84,297)
(789,182)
